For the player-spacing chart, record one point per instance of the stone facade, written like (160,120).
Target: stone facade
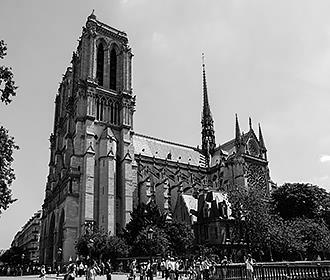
(27,239)
(100,169)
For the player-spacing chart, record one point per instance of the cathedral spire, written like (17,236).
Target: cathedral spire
(250,123)
(208,135)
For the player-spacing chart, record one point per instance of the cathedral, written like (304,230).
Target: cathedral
(100,168)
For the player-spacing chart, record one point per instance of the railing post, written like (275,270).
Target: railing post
(262,272)
(287,271)
(242,272)
(319,270)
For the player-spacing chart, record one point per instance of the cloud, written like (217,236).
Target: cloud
(325,158)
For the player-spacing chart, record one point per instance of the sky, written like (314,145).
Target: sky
(268,60)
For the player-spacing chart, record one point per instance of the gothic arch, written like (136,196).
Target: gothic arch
(100,51)
(114,51)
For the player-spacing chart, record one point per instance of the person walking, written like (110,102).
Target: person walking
(108,269)
(71,274)
(224,264)
(42,272)
(90,272)
(249,263)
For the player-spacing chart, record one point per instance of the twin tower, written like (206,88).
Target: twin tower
(100,169)
(91,151)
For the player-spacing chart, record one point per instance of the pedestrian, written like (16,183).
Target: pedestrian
(249,263)
(108,269)
(42,272)
(81,269)
(163,267)
(90,272)
(224,264)
(133,269)
(71,274)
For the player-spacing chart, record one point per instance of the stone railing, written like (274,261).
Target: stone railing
(318,270)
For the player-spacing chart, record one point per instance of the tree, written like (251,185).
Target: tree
(143,216)
(180,236)
(158,245)
(7,84)
(303,227)
(7,144)
(116,248)
(173,237)
(12,255)
(100,245)
(300,238)
(294,200)
(92,244)
(7,176)
(251,210)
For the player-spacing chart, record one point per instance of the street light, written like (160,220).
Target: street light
(150,234)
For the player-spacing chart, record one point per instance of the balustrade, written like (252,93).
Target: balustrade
(276,271)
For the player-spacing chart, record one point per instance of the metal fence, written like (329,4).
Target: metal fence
(319,270)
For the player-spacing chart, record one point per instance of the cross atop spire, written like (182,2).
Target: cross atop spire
(208,135)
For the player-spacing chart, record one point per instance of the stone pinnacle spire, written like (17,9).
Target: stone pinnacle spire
(261,139)
(208,137)
(237,131)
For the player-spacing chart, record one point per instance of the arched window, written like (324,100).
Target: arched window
(113,69)
(100,64)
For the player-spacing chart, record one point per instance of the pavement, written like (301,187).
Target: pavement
(60,277)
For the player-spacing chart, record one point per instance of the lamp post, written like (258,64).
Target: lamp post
(150,234)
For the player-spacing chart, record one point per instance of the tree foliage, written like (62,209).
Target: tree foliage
(7,176)
(300,239)
(300,200)
(302,230)
(251,208)
(7,144)
(291,224)
(7,83)
(169,237)
(100,245)
(12,256)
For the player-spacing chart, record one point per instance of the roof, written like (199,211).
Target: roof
(161,149)
(190,201)
(191,204)
(229,146)
(219,197)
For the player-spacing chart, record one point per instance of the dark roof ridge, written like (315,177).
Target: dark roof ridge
(165,141)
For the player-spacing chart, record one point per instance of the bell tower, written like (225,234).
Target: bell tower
(104,122)
(90,181)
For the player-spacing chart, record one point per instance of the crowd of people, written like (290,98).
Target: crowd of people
(169,268)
